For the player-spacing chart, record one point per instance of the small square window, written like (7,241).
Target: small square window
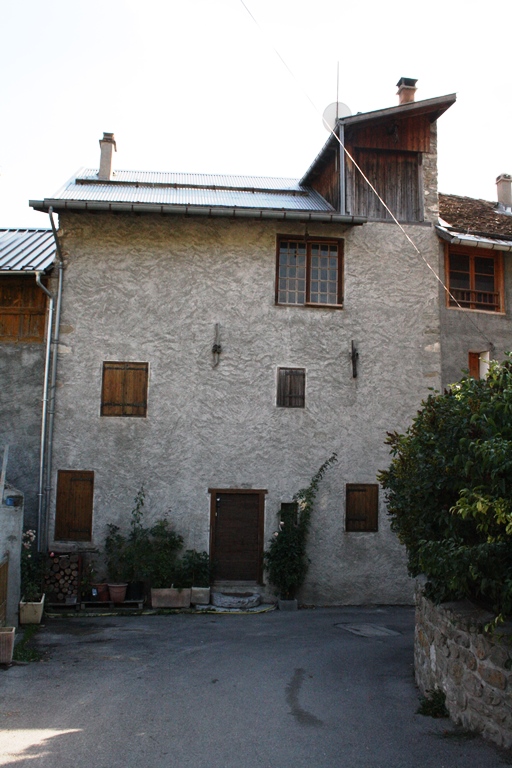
(125,389)
(478,364)
(362,507)
(291,387)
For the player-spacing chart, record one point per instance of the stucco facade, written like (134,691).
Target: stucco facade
(151,289)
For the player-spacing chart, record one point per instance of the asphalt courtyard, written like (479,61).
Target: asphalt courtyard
(324,688)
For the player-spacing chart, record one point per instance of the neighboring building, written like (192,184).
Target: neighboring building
(476,323)
(23,316)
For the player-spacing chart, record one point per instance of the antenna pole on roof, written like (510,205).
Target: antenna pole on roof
(337,88)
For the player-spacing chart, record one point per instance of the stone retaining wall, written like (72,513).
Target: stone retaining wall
(473,668)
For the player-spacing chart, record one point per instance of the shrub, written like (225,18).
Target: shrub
(449,490)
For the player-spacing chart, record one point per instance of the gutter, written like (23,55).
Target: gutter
(49,389)
(266,214)
(474,241)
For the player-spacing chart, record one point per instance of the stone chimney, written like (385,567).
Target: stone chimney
(108,146)
(406,90)
(504,185)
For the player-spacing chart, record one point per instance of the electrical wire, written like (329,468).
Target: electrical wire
(365,178)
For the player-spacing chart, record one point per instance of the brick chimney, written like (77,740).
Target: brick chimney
(108,146)
(504,185)
(406,90)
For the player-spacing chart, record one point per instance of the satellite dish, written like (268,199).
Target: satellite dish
(334,112)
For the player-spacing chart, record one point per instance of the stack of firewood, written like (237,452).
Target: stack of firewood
(62,579)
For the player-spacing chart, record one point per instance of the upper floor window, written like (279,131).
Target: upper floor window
(125,389)
(22,309)
(309,272)
(475,279)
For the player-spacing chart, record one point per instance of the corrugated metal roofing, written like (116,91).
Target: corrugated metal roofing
(187,189)
(26,250)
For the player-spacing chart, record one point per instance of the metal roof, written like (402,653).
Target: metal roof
(194,194)
(26,250)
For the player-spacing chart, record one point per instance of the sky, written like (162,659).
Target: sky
(225,86)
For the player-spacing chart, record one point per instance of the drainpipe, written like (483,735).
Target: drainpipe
(45,411)
(53,381)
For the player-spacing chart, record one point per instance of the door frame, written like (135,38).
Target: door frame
(260,492)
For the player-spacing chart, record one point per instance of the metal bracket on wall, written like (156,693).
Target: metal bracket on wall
(354,355)
(216,348)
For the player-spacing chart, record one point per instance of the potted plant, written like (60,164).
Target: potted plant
(286,559)
(32,570)
(168,587)
(115,545)
(137,551)
(197,572)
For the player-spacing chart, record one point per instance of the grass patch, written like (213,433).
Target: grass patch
(433,704)
(23,650)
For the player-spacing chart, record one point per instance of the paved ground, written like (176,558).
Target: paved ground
(325,688)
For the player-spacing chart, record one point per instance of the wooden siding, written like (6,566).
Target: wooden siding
(411,135)
(73,517)
(22,309)
(397,178)
(327,181)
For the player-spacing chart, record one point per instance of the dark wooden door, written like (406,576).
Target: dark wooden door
(237,534)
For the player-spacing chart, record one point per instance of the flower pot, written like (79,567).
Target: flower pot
(100,592)
(117,592)
(170,597)
(6,644)
(135,590)
(31,612)
(200,596)
(287,605)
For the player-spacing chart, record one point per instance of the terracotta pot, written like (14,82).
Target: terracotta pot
(31,612)
(100,592)
(117,592)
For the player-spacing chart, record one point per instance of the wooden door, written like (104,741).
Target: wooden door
(73,514)
(236,544)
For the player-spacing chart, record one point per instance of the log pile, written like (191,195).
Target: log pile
(62,579)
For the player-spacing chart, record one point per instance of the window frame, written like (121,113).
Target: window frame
(123,405)
(309,242)
(29,314)
(475,253)
(283,394)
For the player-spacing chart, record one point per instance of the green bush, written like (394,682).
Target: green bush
(449,490)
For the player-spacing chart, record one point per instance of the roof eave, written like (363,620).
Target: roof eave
(459,238)
(232,212)
(434,107)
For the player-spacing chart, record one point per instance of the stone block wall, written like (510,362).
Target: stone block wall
(452,652)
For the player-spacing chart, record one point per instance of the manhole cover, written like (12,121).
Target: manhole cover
(368,630)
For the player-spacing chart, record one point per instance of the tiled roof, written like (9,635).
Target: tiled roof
(26,250)
(466,214)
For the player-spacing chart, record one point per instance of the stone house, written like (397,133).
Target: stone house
(220,337)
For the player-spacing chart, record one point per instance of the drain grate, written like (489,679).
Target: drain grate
(368,630)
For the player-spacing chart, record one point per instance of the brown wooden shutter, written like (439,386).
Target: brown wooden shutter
(22,310)
(395,176)
(124,389)
(474,364)
(362,505)
(73,516)
(291,387)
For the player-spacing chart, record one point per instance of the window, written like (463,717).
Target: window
(475,280)
(22,309)
(478,364)
(362,507)
(291,387)
(125,389)
(73,514)
(309,272)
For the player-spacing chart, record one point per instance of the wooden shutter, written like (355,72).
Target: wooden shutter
(291,387)
(22,310)
(73,516)
(474,364)
(124,389)
(362,506)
